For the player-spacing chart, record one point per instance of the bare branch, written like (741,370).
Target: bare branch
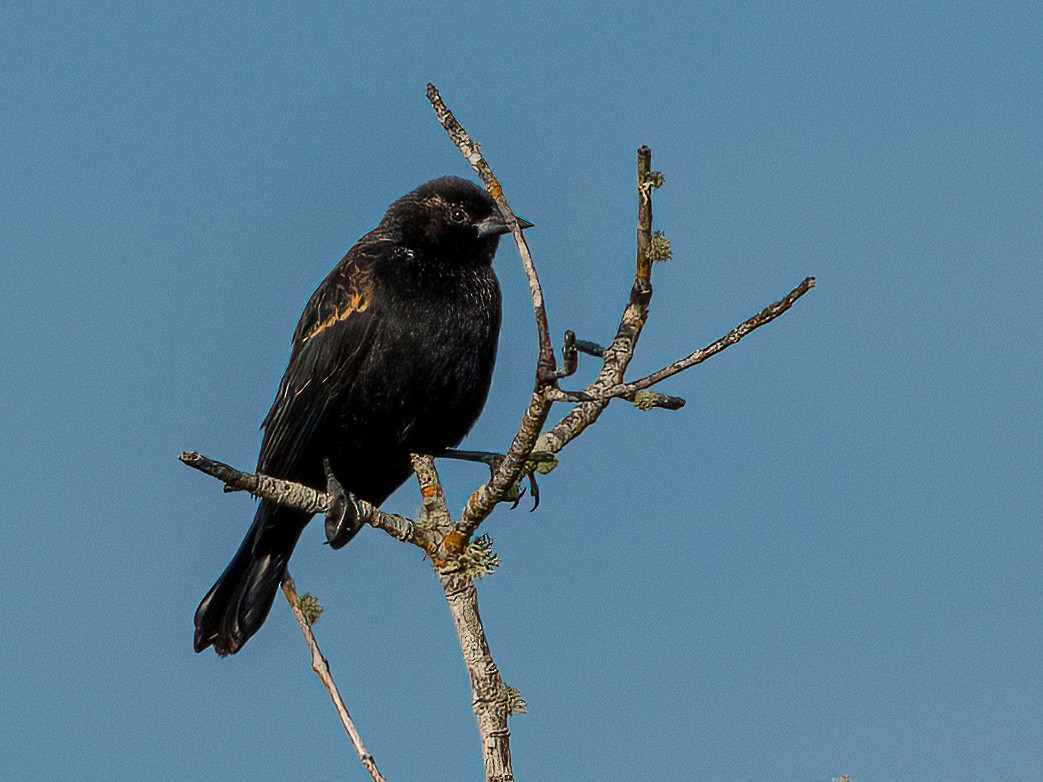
(288,493)
(583,415)
(767,315)
(321,666)
(487,689)
(498,489)
(431,489)
(646,182)
(305,498)
(616,356)
(555,394)
(482,502)
(474,156)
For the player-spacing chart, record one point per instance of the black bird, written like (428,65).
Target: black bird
(392,355)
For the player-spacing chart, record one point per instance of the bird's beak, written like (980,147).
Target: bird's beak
(496,226)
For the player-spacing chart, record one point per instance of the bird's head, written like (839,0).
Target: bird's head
(449,218)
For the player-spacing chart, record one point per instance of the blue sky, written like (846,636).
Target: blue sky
(827,562)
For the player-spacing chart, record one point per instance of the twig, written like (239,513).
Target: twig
(305,498)
(590,348)
(767,315)
(288,493)
(482,502)
(580,417)
(321,667)
(616,357)
(474,156)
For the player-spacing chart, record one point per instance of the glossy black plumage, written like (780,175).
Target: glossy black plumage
(393,354)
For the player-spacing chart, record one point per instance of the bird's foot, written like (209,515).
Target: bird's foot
(343,520)
(541,462)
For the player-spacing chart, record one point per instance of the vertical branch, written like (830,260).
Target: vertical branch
(488,692)
(489,696)
(431,490)
(322,670)
(474,156)
(487,689)
(644,218)
(482,502)
(617,355)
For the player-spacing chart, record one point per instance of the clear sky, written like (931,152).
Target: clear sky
(828,562)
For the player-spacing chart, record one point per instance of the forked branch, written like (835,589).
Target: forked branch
(448,542)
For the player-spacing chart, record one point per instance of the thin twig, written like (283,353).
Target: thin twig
(321,667)
(590,348)
(288,493)
(305,498)
(481,167)
(767,315)
(583,415)
(633,390)
(510,470)
(616,357)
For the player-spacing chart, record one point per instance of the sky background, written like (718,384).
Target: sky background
(828,562)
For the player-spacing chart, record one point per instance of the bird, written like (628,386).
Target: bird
(392,355)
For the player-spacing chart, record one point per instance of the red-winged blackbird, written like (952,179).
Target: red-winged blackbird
(392,355)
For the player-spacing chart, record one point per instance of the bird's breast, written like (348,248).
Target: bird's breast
(426,378)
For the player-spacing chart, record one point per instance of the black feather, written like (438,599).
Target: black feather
(393,355)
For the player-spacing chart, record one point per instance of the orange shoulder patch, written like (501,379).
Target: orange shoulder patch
(356,303)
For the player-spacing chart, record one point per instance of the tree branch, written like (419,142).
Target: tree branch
(474,156)
(583,415)
(616,357)
(305,498)
(288,493)
(448,544)
(321,666)
(510,470)
(490,696)
(488,692)
(767,315)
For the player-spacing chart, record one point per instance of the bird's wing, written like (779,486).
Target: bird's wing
(332,338)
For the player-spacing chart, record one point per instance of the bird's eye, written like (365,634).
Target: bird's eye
(458,215)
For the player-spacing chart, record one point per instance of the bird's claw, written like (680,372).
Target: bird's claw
(534,490)
(518,491)
(342,518)
(532,468)
(541,462)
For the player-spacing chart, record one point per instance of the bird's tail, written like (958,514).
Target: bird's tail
(238,603)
